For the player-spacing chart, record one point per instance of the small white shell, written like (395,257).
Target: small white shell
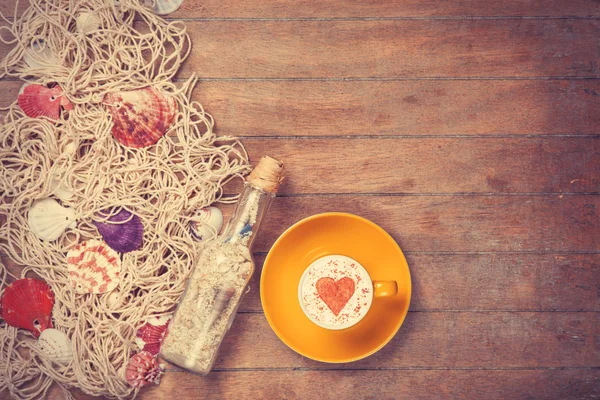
(59,190)
(39,55)
(56,346)
(48,219)
(115,300)
(164,7)
(207,223)
(87,23)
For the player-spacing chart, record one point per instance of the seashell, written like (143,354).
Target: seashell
(27,303)
(164,7)
(141,117)
(207,223)
(115,300)
(40,101)
(93,267)
(87,23)
(56,346)
(143,369)
(59,190)
(48,219)
(123,231)
(39,55)
(149,336)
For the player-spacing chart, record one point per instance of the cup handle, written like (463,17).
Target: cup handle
(385,288)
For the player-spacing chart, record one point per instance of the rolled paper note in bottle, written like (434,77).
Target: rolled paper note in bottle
(216,285)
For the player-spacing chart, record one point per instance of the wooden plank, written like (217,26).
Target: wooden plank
(483,282)
(435,165)
(402,384)
(348,108)
(439,340)
(353,9)
(553,224)
(472,107)
(391,49)
(510,282)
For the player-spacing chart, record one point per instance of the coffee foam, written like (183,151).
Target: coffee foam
(335,267)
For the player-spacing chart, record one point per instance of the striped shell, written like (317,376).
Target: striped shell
(93,267)
(140,117)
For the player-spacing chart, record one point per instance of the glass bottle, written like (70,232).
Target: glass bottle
(215,288)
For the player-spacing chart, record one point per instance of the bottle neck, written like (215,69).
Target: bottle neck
(247,217)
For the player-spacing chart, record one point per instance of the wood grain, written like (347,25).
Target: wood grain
(393,49)
(435,165)
(386,108)
(382,9)
(385,385)
(439,340)
(482,282)
(554,224)
(332,108)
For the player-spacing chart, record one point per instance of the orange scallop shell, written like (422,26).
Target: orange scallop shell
(141,117)
(27,303)
(41,101)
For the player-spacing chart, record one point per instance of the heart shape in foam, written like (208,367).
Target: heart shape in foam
(335,294)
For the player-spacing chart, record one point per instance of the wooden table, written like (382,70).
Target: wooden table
(469,130)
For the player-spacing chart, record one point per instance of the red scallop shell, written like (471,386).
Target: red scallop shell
(143,369)
(141,117)
(149,336)
(27,303)
(38,100)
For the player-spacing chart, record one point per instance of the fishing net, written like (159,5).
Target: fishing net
(89,49)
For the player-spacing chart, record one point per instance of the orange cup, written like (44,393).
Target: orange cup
(334,234)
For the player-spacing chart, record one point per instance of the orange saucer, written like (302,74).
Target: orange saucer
(316,237)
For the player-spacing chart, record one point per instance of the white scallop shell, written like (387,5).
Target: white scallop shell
(164,7)
(56,346)
(59,190)
(39,55)
(207,223)
(48,219)
(87,23)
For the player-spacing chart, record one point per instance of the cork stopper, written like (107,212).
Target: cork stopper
(267,175)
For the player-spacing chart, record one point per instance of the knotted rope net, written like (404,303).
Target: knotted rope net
(128,48)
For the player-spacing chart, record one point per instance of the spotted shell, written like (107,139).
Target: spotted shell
(56,346)
(207,223)
(93,267)
(140,117)
(143,369)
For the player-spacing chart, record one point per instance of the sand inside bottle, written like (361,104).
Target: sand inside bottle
(208,306)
